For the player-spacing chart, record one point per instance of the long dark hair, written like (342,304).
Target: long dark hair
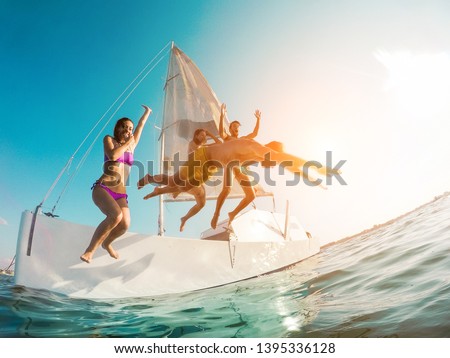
(119,124)
(197,131)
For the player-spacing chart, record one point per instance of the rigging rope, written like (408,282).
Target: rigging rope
(11,263)
(83,159)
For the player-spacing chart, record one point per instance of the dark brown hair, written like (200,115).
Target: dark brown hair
(234,122)
(197,131)
(119,124)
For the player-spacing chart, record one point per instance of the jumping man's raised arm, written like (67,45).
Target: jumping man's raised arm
(222,133)
(256,129)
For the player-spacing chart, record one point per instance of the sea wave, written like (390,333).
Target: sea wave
(392,281)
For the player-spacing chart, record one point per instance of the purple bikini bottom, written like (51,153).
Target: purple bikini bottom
(114,195)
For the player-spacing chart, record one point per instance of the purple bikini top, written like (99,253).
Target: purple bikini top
(126,158)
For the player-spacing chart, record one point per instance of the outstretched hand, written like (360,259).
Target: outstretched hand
(258,114)
(147,108)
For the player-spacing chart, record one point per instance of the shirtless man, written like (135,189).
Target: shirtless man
(243,179)
(198,141)
(243,151)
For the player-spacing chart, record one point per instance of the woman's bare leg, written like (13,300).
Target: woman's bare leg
(119,230)
(113,213)
(166,190)
(160,179)
(174,185)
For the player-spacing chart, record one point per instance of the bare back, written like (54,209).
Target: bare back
(241,150)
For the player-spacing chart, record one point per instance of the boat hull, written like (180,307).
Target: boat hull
(151,265)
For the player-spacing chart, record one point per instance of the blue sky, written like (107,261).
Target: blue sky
(365,80)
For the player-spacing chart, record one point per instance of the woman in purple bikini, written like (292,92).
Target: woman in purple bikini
(109,192)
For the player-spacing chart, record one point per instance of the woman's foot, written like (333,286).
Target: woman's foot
(86,257)
(113,253)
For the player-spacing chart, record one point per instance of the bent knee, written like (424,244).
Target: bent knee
(226,190)
(126,219)
(250,195)
(124,224)
(115,218)
(122,227)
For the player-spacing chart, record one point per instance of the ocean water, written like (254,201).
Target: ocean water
(391,282)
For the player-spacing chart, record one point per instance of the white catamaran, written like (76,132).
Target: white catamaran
(257,242)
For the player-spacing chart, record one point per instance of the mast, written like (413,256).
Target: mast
(161,202)
(161,157)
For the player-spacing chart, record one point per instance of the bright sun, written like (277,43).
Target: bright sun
(419,82)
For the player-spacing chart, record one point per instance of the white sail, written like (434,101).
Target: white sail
(190,103)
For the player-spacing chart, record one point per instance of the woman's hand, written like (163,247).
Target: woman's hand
(129,140)
(147,109)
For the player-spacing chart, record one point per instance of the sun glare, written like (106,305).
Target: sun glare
(419,82)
